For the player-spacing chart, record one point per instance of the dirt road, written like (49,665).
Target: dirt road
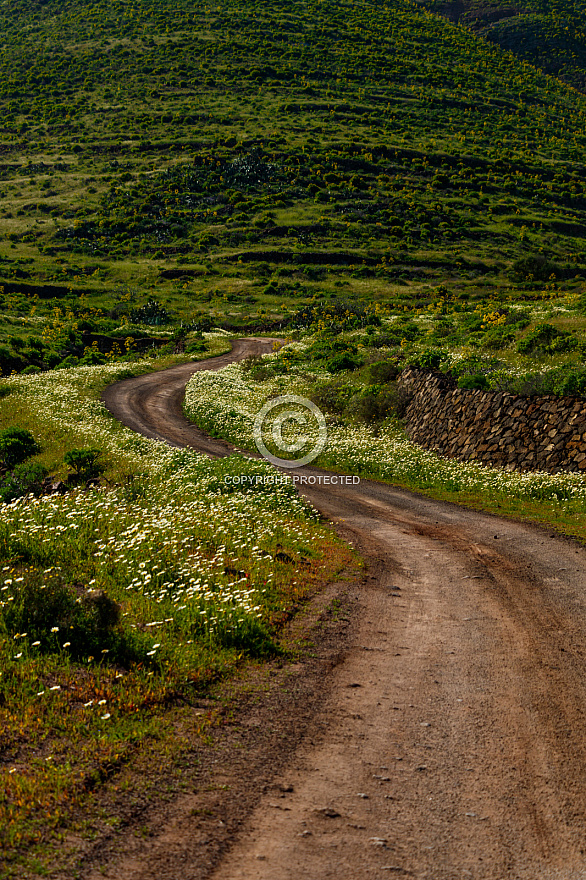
(450,741)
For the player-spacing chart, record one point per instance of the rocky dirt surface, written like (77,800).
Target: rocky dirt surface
(445,739)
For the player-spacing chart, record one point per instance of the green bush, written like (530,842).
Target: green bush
(92,358)
(152,313)
(498,337)
(428,359)
(343,360)
(197,346)
(534,268)
(570,382)
(383,371)
(26,479)
(84,463)
(333,396)
(16,445)
(53,613)
(69,361)
(374,404)
(547,339)
(476,381)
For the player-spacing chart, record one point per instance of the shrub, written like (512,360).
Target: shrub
(498,337)
(8,361)
(428,359)
(196,347)
(375,404)
(69,361)
(84,463)
(26,479)
(476,381)
(16,445)
(534,268)
(152,314)
(547,339)
(333,396)
(519,319)
(91,358)
(383,371)
(90,621)
(570,382)
(343,360)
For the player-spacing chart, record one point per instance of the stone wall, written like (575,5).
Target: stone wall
(518,433)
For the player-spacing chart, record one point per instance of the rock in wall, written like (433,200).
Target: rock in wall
(518,433)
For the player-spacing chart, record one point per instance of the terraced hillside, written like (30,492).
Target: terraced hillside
(242,159)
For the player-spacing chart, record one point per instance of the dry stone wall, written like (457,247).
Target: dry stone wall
(518,433)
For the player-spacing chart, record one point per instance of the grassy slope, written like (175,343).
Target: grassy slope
(546,33)
(149,145)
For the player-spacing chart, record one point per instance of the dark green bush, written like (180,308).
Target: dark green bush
(333,396)
(26,479)
(570,382)
(84,463)
(534,268)
(152,314)
(8,361)
(476,381)
(89,621)
(67,362)
(519,319)
(16,445)
(383,371)
(374,404)
(442,329)
(196,347)
(343,360)
(498,337)
(92,358)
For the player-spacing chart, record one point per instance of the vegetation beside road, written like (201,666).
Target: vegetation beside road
(125,594)
(354,384)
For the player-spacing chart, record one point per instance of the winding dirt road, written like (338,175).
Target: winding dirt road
(451,740)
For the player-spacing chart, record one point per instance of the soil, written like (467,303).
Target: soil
(438,732)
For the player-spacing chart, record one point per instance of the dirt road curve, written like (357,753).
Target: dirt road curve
(451,741)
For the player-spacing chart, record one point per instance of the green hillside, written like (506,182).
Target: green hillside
(548,33)
(242,159)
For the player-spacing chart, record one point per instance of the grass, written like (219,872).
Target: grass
(239,163)
(122,602)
